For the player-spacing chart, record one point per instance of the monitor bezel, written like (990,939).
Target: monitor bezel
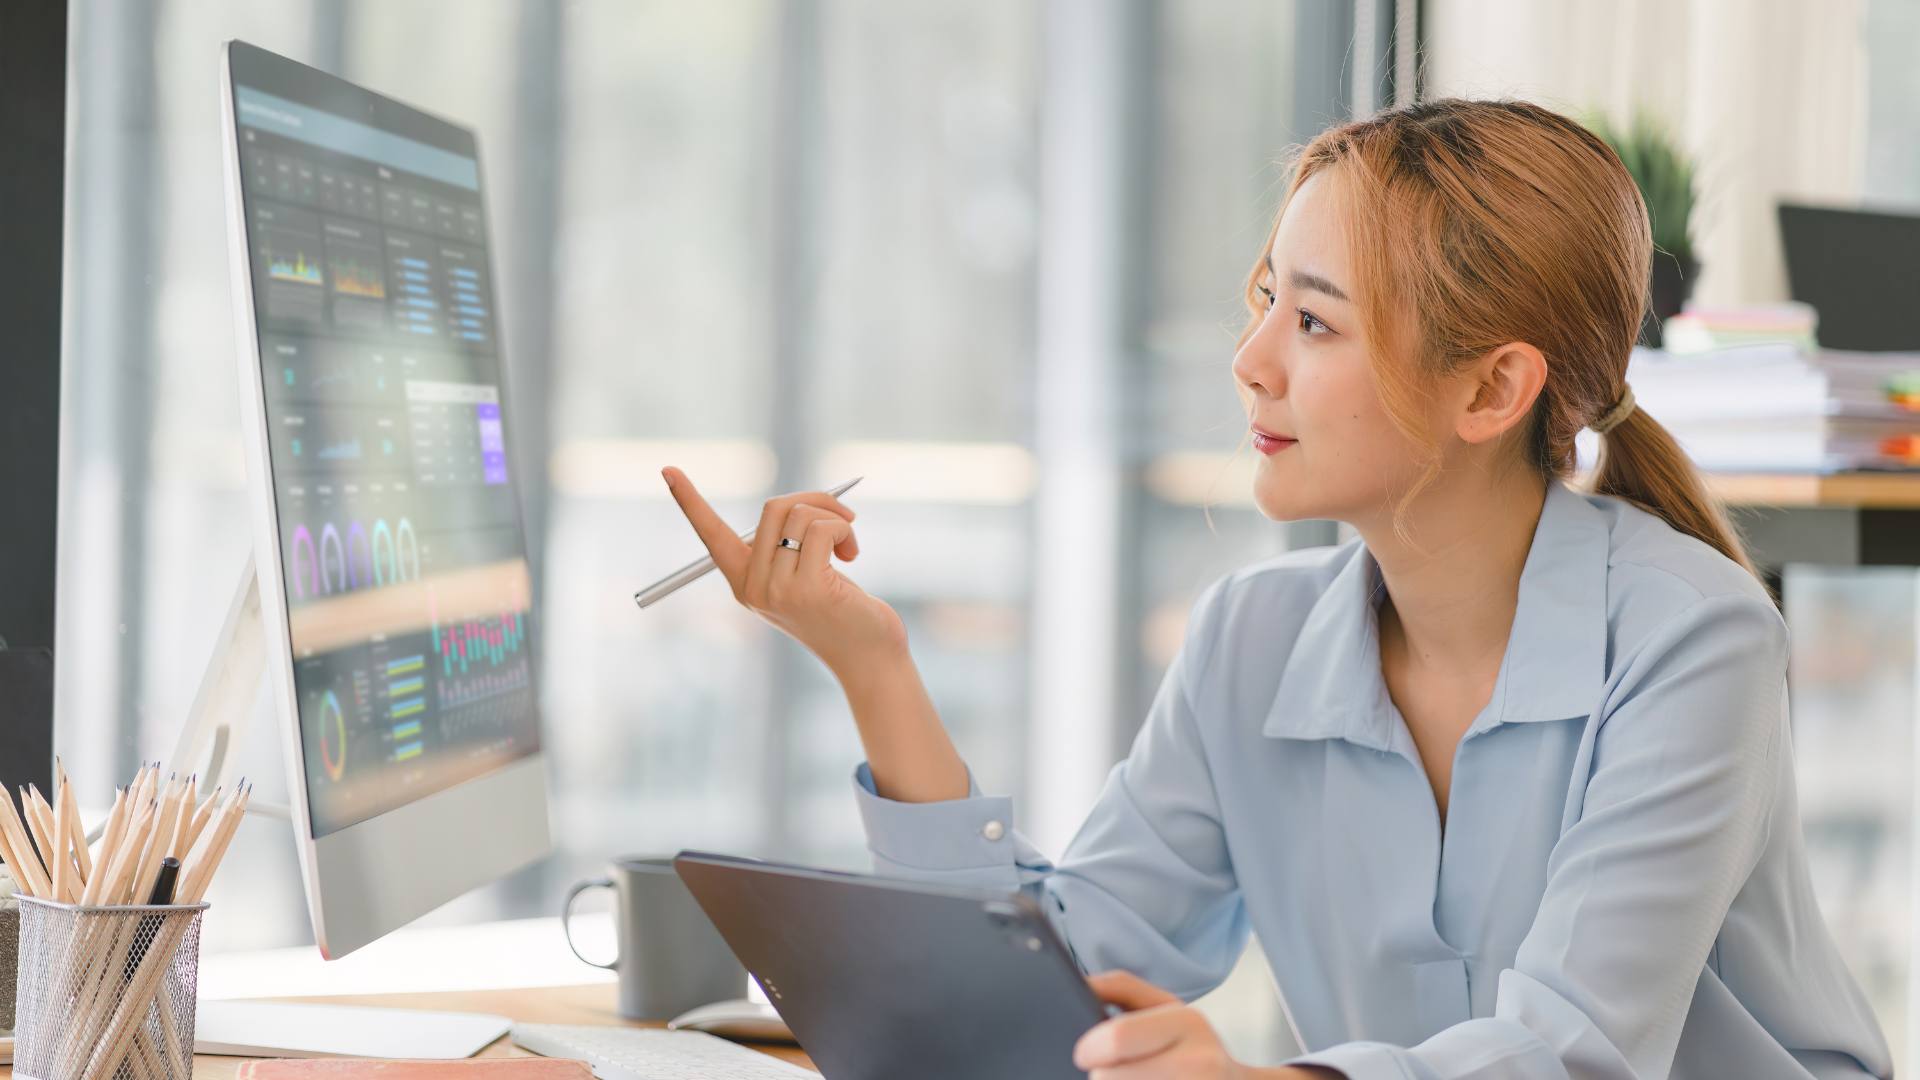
(366,879)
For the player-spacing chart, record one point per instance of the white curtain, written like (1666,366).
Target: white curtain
(1770,96)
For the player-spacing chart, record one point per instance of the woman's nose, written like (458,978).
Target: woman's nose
(1258,362)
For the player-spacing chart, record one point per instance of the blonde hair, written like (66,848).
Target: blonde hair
(1495,222)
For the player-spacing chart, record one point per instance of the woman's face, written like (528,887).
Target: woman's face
(1305,374)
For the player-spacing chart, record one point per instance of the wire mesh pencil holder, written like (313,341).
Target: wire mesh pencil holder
(106,993)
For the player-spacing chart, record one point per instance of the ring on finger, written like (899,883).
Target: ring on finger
(790,543)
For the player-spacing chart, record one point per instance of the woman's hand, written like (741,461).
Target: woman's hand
(799,592)
(1161,1037)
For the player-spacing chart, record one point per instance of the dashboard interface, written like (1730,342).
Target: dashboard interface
(401,546)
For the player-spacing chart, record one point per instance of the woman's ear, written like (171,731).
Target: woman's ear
(1504,385)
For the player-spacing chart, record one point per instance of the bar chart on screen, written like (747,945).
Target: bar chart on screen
(471,643)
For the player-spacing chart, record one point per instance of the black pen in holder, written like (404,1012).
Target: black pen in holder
(162,895)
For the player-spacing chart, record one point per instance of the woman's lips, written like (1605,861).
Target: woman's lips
(1270,444)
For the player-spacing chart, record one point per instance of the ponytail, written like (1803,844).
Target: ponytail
(1641,463)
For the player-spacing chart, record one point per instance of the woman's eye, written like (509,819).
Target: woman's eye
(1308,321)
(1266,292)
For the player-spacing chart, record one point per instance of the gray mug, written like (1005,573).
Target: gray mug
(670,957)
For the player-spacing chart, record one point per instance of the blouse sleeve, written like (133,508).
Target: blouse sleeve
(1679,792)
(1145,884)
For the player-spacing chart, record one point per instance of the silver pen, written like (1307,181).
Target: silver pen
(698,568)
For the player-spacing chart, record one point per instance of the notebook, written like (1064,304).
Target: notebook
(492,1068)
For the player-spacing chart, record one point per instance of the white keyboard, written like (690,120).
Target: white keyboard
(623,1053)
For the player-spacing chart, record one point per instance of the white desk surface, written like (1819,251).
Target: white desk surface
(481,956)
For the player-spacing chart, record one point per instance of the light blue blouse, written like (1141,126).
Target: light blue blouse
(1620,889)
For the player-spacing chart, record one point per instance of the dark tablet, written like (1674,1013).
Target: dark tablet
(881,978)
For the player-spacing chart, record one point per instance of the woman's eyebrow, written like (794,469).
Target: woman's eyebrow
(1300,279)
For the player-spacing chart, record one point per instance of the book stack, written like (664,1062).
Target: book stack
(1705,327)
(1782,407)
(1699,327)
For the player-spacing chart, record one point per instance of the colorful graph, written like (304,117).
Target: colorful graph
(471,642)
(406,678)
(360,557)
(281,268)
(395,543)
(354,278)
(456,691)
(331,715)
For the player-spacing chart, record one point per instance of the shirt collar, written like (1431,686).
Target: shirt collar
(1555,662)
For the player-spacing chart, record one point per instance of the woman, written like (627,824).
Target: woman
(1504,785)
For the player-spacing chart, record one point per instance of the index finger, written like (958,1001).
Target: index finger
(729,552)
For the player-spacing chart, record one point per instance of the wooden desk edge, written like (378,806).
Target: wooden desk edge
(1862,490)
(1842,490)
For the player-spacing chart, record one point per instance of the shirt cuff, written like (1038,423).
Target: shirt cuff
(1366,1060)
(972,833)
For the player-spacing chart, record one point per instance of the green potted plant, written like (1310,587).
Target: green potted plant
(1666,178)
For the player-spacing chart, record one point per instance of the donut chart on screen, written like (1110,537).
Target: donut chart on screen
(333,736)
(350,555)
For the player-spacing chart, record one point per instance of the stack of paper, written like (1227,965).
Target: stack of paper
(1783,407)
(1701,326)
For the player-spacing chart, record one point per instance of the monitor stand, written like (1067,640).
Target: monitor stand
(275,1029)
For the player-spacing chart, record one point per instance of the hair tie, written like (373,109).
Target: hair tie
(1612,417)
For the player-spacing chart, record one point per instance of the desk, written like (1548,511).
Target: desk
(1847,519)
(542,1005)
(1844,519)
(1879,491)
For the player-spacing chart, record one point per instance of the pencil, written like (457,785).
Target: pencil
(62,863)
(182,836)
(25,865)
(109,841)
(36,879)
(199,874)
(200,819)
(120,870)
(149,773)
(40,824)
(11,861)
(40,827)
(66,814)
(82,857)
(154,846)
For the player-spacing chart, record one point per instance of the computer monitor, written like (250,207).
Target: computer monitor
(394,589)
(1859,269)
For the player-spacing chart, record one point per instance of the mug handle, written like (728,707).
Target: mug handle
(566,916)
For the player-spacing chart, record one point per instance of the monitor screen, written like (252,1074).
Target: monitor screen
(1857,268)
(401,547)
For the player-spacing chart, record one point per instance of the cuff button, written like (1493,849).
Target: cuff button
(993,830)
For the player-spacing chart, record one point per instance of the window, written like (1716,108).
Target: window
(778,245)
